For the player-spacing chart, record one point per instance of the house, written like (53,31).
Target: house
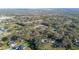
(48,41)
(76,42)
(20,47)
(11,44)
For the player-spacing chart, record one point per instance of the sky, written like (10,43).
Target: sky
(39,3)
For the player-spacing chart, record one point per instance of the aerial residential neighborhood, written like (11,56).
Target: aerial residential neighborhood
(39,29)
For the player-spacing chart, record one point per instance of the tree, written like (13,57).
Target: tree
(4,39)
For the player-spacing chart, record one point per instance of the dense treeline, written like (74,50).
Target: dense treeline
(41,32)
